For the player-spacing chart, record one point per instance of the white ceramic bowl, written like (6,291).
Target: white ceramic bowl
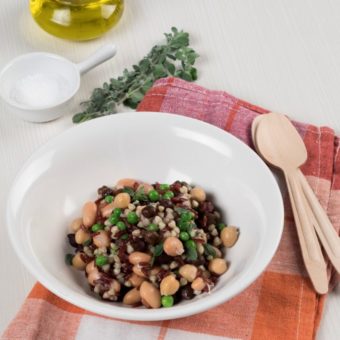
(39,64)
(52,186)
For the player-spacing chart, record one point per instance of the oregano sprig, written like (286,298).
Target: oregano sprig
(174,58)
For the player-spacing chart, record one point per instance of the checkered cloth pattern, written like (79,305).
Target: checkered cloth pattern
(280,304)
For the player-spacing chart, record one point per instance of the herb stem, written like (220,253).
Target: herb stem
(174,58)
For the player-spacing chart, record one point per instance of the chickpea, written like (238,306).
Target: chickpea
(126,182)
(107,209)
(89,214)
(169,285)
(198,194)
(122,200)
(173,246)
(90,267)
(132,297)
(136,280)
(82,236)
(93,276)
(198,284)
(78,262)
(229,236)
(150,295)
(138,271)
(101,240)
(218,266)
(189,272)
(138,257)
(145,304)
(147,187)
(76,224)
(116,286)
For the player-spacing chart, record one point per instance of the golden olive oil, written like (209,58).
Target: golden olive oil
(77,19)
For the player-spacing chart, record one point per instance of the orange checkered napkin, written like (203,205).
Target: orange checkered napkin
(281,304)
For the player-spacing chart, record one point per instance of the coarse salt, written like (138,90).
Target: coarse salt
(40,90)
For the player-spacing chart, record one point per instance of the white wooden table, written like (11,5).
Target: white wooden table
(283,55)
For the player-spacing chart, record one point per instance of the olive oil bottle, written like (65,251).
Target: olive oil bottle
(76,19)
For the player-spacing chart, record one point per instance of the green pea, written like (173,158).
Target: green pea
(186,216)
(108,199)
(190,244)
(113,219)
(184,236)
(183,225)
(132,217)
(164,187)
(101,260)
(153,227)
(167,301)
(220,226)
(168,195)
(121,225)
(117,212)
(153,195)
(124,237)
(96,227)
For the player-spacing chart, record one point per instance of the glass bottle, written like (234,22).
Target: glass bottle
(76,19)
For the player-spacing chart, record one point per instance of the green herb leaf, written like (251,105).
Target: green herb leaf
(129,190)
(173,58)
(140,195)
(87,242)
(180,211)
(68,259)
(158,250)
(209,250)
(159,71)
(191,254)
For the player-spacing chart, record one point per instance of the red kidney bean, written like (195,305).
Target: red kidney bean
(163,259)
(72,240)
(149,211)
(187,293)
(104,191)
(206,206)
(151,237)
(176,186)
(138,244)
(211,219)
(178,199)
(162,274)
(85,258)
(166,203)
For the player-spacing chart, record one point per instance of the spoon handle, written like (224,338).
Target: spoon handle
(323,226)
(310,247)
(104,53)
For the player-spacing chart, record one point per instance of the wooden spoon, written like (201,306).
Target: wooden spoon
(280,144)
(323,226)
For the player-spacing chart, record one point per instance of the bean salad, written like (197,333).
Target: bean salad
(151,245)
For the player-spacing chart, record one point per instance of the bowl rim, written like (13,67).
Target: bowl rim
(194,306)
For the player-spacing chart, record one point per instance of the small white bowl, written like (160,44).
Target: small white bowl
(48,67)
(52,186)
